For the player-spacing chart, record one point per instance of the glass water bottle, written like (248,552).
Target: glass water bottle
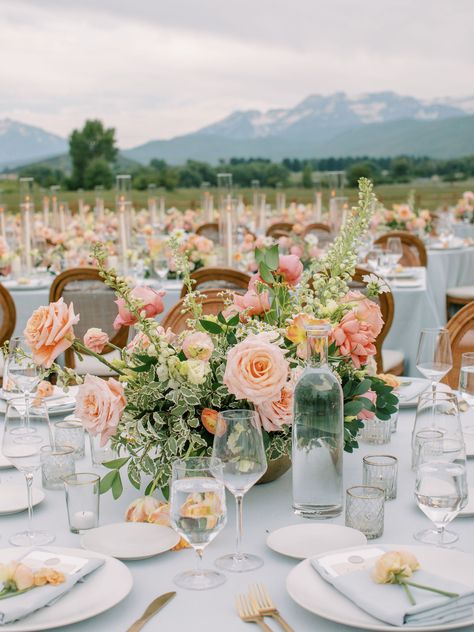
(318,433)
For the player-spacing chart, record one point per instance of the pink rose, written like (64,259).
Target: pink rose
(290,268)
(297,250)
(95,339)
(198,346)
(256,369)
(354,338)
(276,413)
(366,415)
(252,303)
(152,306)
(99,405)
(49,331)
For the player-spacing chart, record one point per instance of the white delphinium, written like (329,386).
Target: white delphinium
(375,285)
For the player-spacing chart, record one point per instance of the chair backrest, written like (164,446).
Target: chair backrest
(93,300)
(209,230)
(218,278)
(414,251)
(461,333)
(212,303)
(387,307)
(279,229)
(7,315)
(316,227)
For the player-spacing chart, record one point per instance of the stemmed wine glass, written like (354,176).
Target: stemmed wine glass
(197,513)
(23,372)
(466,387)
(394,250)
(161,267)
(441,413)
(441,489)
(22,445)
(434,358)
(238,445)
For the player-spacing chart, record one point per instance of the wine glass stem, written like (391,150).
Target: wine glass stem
(27,409)
(29,486)
(239,521)
(199,553)
(440,532)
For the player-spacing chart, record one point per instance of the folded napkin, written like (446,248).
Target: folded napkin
(389,602)
(412,390)
(20,606)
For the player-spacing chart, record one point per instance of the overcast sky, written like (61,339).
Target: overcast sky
(160,68)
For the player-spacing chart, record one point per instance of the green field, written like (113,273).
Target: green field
(429,195)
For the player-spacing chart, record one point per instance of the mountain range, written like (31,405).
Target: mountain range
(373,124)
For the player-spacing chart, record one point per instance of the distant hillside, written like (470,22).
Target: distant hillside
(24,143)
(63,162)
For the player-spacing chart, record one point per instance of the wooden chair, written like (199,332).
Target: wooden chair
(95,302)
(316,227)
(209,230)
(414,251)
(458,296)
(212,303)
(279,229)
(218,278)
(7,319)
(461,333)
(391,361)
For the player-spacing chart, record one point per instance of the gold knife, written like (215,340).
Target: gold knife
(156,605)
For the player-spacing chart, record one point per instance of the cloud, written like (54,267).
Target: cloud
(158,69)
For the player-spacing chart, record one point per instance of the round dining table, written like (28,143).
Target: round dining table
(266,508)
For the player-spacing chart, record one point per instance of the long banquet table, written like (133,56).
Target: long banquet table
(266,508)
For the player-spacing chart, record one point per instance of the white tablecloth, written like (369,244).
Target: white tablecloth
(448,268)
(266,508)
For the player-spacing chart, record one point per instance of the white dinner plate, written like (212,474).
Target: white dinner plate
(468,511)
(312,592)
(301,541)
(33,284)
(408,283)
(410,390)
(13,498)
(406,273)
(100,591)
(130,540)
(454,244)
(59,403)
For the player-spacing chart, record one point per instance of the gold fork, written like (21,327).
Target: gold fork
(248,613)
(265,607)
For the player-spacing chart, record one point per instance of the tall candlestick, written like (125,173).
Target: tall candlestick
(3,230)
(46,211)
(27,237)
(319,206)
(123,237)
(229,236)
(62,219)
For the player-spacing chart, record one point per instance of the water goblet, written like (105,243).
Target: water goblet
(23,372)
(394,250)
(197,514)
(238,445)
(161,267)
(434,357)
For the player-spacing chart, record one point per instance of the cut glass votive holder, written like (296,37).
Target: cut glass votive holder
(82,501)
(430,441)
(381,470)
(56,464)
(365,510)
(394,421)
(376,431)
(101,453)
(70,432)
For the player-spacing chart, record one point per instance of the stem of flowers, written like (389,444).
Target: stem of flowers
(411,599)
(80,347)
(445,593)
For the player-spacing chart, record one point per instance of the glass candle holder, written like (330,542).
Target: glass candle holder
(56,464)
(381,470)
(376,431)
(365,510)
(82,501)
(101,454)
(394,421)
(70,432)
(431,440)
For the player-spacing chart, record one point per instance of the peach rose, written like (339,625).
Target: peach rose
(95,339)
(366,415)
(152,306)
(290,268)
(141,508)
(99,405)
(49,331)
(198,346)
(256,369)
(366,311)
(354,338)
(276,413)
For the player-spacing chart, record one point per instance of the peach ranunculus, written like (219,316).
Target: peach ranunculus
(256,369)
(290,268)
(152,306)
(367,415)
(354,338)
(99,406)
(95,339)
(198,346)
(49,331)
(366,311)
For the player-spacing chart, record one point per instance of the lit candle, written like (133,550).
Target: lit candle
(27,236)
(229,235)
(84,520)
(123,237)
(62,219)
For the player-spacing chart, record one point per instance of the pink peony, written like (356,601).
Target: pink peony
(256,369)
(49,331)
(152,306)
(276,413)
(95,339)
(290,268)
(99,405)
(366,415)
(355,338)
(198,346)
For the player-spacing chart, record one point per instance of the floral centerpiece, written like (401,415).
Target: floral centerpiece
(170,386)
(464,209)
(404,217)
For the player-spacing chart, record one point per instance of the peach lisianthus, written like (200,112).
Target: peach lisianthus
(256,369)
(198,346)
(252,303)
(95,339)
(49,331)
(99,406)
(367,311)
(152,305)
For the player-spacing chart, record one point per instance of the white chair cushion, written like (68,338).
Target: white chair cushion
(91,365)
(465,291)
(391,359)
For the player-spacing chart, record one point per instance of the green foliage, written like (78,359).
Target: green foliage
(307,176)
(91,143)
(98,172)
(361,170)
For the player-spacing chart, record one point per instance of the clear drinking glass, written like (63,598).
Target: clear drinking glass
(373,258)
(394,250)
(70,432)
(365,510)
(22,443)
(381,470)
(82,501)
(384,263)
(23,372)
(425,440)
(198,513)
(466,388)
(7,384)
(238,445)
(161,267)
(434,358)
(441,490)
(56,464)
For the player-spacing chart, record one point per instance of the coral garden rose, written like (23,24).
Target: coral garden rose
(198,346)
(256,369)
(274,414)
(95,339)
(366,311)
(49,331)
(290,268)
(152,305)
(366,415)
(99,406)
(354,338)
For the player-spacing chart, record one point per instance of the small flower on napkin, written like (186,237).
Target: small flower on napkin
(17,578)
(154,511)
(45,389)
